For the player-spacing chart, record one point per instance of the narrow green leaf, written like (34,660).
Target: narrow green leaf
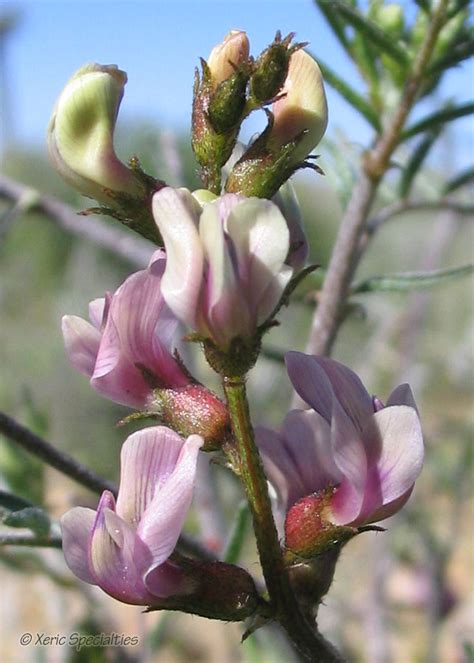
(424,5)
(371,31)
(352,97)
(466,177)
(416,161)
(411,280)
(367,59)
(32,518)
(456,54)
(335,23)
(457,7)
(440,117)
(237,536)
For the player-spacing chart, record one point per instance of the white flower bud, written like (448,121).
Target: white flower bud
(234,50)
(81,132)
(301,107)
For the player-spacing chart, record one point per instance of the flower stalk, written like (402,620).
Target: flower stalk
(346,255)
(309,643)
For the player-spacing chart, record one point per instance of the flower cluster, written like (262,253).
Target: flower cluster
(125,545)
(346,462)
(227,262)
(228,259)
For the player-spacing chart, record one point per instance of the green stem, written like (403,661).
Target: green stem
(309,643)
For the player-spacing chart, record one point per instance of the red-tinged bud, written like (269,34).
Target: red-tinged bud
(308,531)
(220,591)
(193,410)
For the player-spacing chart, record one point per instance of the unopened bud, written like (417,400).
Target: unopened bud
(311,579)
(227,103)
(295,126)
(309,532)
(227,57)
(81,134)
(193,410)
(219,102)
(390,18)
(271,69)
(220,591)
(81,147)
(301,112)
(203,196)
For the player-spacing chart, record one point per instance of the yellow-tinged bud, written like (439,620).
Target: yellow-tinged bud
(204,196)
(227,56)
(81,132)
(301,109)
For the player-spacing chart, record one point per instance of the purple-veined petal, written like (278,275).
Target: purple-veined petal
(163,519)
(76,528)
(148,458)
(168,579)
(310,382)
(402,395)
(82,342)
(176,214)
(96,312)
(115,376)
(279,466)
(260,236)
(137,333)
(348,389)
(225,204)
(220,301)
(308,438)
(117,557)
(350,458)
(287,202)
(390,508)
(394,443)
(272,295)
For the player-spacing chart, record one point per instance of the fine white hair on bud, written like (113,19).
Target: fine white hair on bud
(81,133)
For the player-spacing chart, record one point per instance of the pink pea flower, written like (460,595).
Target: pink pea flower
(348,461)
(124,546)
(128,343)
(226,262)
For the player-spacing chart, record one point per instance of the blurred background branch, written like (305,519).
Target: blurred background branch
(135,250)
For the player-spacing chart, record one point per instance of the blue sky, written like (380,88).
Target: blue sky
(158,43)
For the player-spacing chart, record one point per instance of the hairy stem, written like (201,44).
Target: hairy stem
(309,643)
(134,250)
(346,254)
